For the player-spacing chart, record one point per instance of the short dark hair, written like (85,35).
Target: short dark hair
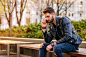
(48,10)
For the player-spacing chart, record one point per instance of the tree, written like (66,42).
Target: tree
(38,6)
(62,5)
(20,5)
(8,7)
(0,22)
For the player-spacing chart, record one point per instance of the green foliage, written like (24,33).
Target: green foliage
(39,34)
(34,27)
(34,30)
(79,24)
(80,27)
(4,32)
(82,34)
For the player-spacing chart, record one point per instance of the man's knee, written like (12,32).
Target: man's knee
(57,49)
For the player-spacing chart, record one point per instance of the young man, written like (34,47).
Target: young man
(62,30)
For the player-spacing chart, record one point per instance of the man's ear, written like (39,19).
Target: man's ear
(53,13)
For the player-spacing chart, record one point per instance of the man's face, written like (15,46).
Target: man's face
(49,17)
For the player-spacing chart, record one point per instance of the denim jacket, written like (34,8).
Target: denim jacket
(63,32)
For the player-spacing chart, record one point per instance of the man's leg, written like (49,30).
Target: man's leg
(63,47)
(43,51)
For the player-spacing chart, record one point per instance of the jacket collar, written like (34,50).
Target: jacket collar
(57,21)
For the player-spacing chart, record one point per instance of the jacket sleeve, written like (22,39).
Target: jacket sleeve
(47,37)
(67,29)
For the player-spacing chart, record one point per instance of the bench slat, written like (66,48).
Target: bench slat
(80,52)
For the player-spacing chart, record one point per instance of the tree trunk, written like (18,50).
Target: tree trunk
(52,3)
(47,2)
(10,23)
(57,8)
(58,11)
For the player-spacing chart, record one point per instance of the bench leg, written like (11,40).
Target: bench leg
(73,56)
(18,51)
(32,52)
(8,50)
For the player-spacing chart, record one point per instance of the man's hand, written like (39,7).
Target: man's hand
(44,24)
(55,43)
(41,45)
(48,48)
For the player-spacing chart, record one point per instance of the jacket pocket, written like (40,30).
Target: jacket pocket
(73,39)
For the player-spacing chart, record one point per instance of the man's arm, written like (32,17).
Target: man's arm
(67,31)
(47,37)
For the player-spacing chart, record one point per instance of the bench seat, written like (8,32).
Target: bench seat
(81,52)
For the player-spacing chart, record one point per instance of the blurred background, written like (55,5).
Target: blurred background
(22,18)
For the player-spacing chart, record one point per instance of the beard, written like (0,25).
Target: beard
(52,20)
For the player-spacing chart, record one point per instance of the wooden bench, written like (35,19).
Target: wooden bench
(10,43)
(81,52)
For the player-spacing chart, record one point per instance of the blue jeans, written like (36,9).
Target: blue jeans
(58,49)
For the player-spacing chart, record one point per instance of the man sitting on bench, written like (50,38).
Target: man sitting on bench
(61,28)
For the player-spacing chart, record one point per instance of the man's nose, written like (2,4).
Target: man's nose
(46,18)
